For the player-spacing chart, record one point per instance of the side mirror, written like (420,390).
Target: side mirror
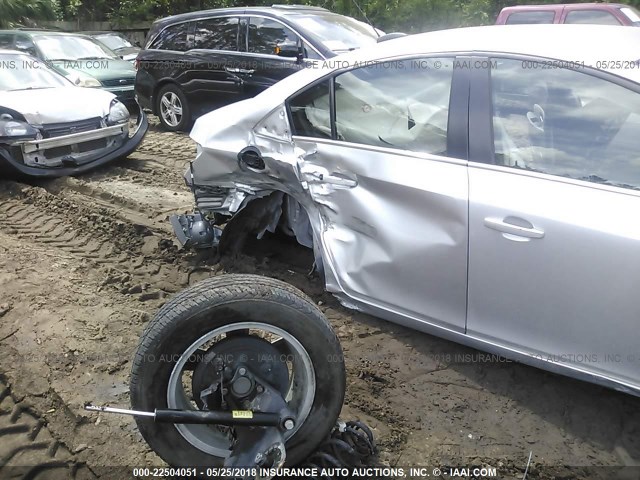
(290,51)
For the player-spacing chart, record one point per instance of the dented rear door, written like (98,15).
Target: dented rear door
(387,171)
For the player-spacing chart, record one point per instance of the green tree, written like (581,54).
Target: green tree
(26,12)
(410,16)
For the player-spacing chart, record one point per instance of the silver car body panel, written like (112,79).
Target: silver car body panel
(418,245)
(568,296)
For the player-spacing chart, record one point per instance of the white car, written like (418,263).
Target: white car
(50,127)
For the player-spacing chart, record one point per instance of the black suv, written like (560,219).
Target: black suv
(198,61)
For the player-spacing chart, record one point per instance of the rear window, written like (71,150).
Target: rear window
(219,33)
(520,18)
(592,17)
(172,38)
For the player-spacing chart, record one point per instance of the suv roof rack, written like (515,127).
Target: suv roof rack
(298,7)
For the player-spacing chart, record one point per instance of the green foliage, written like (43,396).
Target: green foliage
(409,16)
(25,12)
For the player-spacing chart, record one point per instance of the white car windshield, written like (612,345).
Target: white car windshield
(337,32)
(69,47)
(114,42)
(20,72)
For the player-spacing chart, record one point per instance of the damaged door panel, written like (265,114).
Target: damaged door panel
(376,215)
(397,239)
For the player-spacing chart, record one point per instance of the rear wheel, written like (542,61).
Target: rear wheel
(269,326)
(172,108)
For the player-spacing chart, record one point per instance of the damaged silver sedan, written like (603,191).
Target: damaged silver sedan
(448,183)
(51,128)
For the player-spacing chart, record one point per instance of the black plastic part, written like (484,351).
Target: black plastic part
(480,113)
(261,419)
(251,158)
(458,127)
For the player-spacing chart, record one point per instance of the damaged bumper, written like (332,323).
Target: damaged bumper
(73,153)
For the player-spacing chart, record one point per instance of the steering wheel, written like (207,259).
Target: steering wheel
(536,117)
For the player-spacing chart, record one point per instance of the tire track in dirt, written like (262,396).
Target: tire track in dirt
(28,450)
(135,257)
(170,149)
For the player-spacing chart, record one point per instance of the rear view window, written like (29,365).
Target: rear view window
(217,34)
(593,17)
(172,38)
(519,18)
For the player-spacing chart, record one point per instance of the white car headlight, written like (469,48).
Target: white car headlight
(10,128)
(82,79)
(118,113)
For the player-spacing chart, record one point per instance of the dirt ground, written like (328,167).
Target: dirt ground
(85,262)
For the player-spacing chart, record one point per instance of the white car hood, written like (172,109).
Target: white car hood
(58,105)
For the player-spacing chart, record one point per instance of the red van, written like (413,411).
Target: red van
(591,13)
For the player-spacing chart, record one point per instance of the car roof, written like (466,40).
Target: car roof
(104,32)
(589,43)
(550,6)
(275,10)
(44,32)
(594,45)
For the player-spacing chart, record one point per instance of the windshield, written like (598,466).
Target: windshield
(337,32)
(114,42)
(68,47)
(20,72)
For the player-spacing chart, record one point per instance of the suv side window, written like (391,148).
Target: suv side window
(266,34)
(218,33)
(173,37)
(402,104)
(565,122)
(597,17)
(519,18)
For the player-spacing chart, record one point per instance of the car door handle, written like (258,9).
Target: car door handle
(502,226)
(239,70)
